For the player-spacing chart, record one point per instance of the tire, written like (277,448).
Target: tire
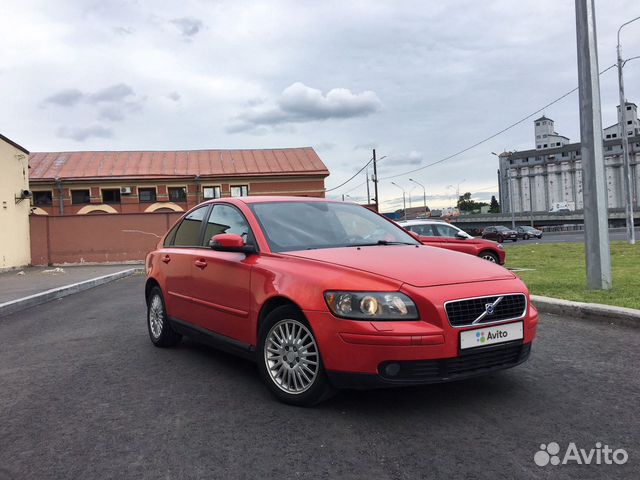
(500,239)
(160,331)
(489,256)
(526,237)
(285,336)
(515,240)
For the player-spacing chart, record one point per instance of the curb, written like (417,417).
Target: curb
(19,304)
(628,317)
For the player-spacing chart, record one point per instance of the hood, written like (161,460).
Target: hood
(423,266)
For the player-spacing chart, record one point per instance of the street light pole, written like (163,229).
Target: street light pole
(404,199)
(597,253)
(375,181)
(628,189)
(424,195)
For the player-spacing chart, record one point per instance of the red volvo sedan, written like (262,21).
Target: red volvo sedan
(325,295)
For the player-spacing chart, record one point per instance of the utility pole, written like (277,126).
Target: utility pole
(368,194)
(511,200)
(598,256)
(622,129)
(375,181)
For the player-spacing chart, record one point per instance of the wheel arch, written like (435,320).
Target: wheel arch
(269,306)
(148,286)
(491,251)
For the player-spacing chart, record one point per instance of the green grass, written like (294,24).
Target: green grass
(559,271)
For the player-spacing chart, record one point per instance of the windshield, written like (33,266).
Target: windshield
(290,226)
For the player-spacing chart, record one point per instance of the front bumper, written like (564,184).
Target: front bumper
(479,361)
(355,352)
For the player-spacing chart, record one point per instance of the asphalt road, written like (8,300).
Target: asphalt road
(84,394)
(571,237)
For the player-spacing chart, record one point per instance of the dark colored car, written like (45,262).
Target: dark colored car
(500,234)
(526,232)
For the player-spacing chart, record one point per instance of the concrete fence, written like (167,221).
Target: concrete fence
(96,238)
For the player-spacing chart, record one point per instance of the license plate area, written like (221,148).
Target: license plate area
(491,335)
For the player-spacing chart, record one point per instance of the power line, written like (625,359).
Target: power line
(354,176)
(464,150)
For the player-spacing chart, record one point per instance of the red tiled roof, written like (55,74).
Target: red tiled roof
(185,163)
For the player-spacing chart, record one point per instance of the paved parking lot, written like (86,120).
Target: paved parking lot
(85,395)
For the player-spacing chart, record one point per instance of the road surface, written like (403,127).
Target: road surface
(85,395)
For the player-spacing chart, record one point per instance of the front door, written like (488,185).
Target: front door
(222,280)
(448,233)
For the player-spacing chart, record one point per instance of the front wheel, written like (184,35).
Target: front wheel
(160,331)
(289,359)
(526,237)
(500,239)
(489,256)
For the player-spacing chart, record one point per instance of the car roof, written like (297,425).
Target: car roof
(423,222)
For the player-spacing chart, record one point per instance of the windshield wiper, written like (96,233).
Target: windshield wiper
(379,242)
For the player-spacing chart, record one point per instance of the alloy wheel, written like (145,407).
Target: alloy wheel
(291,356)
(489,257)
(156,316)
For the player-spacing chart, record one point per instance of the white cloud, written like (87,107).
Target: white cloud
(299,103)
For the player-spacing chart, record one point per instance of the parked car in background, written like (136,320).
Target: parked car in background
(526,232)
(500,234)
(324,294)
(441,234)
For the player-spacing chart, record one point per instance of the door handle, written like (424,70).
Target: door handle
(166,259)
(200,263)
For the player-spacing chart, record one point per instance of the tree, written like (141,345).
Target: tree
(466,204)
(494,205)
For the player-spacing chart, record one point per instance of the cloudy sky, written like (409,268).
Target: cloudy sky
(418,81)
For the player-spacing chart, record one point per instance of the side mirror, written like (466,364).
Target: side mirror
(461,236)
(230,242)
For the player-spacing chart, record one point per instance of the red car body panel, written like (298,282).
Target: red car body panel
(472,246)
(225,293)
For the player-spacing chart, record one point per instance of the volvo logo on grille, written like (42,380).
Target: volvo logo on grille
(489,308)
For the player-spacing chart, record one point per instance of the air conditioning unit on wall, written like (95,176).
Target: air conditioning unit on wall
(125,190)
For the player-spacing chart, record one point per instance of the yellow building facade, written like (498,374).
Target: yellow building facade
(15,250)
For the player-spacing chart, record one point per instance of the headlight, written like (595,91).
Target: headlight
(371,305)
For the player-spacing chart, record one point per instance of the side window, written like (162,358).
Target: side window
(446,231)
(188,232)
(423,230)
(227,219)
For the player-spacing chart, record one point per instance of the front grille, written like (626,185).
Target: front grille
(462,313)
(469,363)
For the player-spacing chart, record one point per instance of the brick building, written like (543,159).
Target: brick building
(70,183)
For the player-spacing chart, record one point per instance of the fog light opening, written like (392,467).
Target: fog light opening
(392,369)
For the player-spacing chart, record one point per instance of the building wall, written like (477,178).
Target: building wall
(14,217)
(96,238)
(61,194)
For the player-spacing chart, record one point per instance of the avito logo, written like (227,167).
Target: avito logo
(481,337)
(550,454)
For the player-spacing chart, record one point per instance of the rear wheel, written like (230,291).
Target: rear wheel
(160,331)
(489,256)
(289,359)
(500,239)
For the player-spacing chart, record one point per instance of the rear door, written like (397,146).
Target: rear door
(177,258)
(222,280)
